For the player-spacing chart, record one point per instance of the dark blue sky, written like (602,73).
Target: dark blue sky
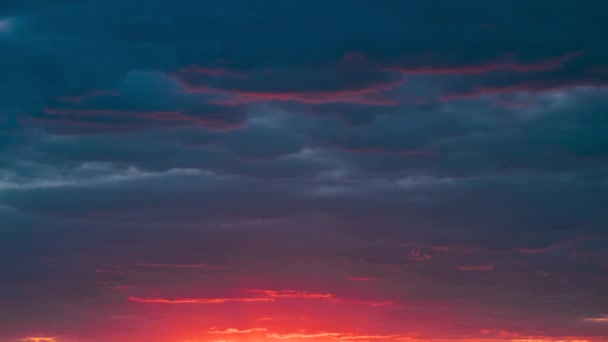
(303,170)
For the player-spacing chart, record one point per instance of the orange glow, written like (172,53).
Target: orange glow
(603,319)
(257,334)
(236,331)
(163,265)
(269,296)
(293,294)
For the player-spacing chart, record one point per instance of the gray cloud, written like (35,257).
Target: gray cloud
(447,157)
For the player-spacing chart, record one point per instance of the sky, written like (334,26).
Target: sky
(303,171)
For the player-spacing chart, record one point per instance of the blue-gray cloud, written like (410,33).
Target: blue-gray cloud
(453,152)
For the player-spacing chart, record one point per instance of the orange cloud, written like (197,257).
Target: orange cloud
(302,335)
(339,336)
(330,297)
(237,331)
(269,296)
(602,319)
(38,339)
(370,337)
(292,294)
(499,336)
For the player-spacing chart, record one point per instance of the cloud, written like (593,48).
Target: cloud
(162,265)
(86,175)
(455,154)
(292,294)
(237,331)
(197,300)
(523,67)
(603,319)
(267,296)
(290,336)
(475,268)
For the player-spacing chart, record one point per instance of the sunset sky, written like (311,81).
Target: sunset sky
(303,171)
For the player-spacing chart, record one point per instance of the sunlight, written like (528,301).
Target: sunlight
(38,339)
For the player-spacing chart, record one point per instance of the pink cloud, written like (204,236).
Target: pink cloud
(360,279)
(475,268)
(162,265)
(198,300)
(263,296)
(417,255)
(372,95)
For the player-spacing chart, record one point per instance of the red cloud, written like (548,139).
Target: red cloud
(303,335)
(198,300)
(338,336)
(293,294)
(359,278)
(330,297)
(237,331)
(371,95)
(476,268)
(162,265)
(269,296)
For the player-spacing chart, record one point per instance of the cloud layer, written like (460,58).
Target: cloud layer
(350,170)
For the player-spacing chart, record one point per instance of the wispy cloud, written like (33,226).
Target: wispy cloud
(475,268)
(337,336)
(237,331)
(303,335)
(266,296)
(167,265)
(600,319)
(198,300)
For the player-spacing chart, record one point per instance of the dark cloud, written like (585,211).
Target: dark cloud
(448,157)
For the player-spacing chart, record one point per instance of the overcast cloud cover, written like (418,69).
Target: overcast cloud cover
(440,168)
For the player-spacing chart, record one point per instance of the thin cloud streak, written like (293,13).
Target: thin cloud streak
(268,296)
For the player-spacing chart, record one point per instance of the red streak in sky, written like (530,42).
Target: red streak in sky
(293,294)
(359,279)
(270,296)
(476,268)
(161,265)
(198,300)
